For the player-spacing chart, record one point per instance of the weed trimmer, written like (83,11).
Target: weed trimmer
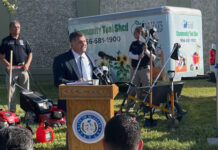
(173,55)
(145,40)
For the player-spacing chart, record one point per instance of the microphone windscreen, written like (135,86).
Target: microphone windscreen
(104,69)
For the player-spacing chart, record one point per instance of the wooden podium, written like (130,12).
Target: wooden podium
(79,98)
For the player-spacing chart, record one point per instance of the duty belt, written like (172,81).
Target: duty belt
(19,66)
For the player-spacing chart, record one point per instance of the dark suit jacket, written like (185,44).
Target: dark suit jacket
(65,70)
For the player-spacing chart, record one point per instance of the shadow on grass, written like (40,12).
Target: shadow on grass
(198,83)
(193,130)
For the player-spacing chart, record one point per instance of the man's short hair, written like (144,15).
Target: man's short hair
(74,35)
(122,133)
(15,138)
(13,22)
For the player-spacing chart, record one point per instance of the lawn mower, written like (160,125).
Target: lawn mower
(38,108)
(8,118)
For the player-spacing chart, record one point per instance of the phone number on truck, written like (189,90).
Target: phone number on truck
(100,40)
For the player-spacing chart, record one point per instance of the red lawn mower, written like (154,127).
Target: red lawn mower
(38,108)
(8,118)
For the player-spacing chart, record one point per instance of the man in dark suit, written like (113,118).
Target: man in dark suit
(74,65)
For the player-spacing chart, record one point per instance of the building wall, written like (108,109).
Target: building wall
(112,6)
(208,10)
(44,24)
(4,17)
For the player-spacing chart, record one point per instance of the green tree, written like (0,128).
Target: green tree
(10,5)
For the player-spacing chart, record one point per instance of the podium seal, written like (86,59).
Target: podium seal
(88,126)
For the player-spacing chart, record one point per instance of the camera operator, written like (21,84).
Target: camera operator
(139,50)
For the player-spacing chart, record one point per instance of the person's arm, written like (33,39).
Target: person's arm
(2,58)
(59,73)
(2,55)
(147,52)
(133,56)
(29,60)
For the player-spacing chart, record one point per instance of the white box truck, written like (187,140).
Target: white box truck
(112,34)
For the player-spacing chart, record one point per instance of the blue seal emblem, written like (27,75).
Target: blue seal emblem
(88,126)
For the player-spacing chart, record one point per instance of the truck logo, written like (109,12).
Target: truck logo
(187,24)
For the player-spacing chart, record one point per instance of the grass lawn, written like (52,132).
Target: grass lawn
(198,98)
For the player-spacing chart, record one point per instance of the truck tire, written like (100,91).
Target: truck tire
(212,77)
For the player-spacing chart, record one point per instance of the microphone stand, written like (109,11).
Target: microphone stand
(109,71)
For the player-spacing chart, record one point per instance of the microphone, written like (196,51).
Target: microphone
(106,74)
(99,74)
(102,55)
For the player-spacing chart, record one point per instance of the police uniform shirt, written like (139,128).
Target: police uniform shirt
(137,48)
(21,49)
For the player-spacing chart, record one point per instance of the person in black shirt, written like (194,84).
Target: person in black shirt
(22,57)
(139,50)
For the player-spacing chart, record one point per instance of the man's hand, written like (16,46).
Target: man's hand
(145,47)
(81,79)
(26,67)
(141,55)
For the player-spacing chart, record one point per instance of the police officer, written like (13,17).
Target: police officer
(22,57)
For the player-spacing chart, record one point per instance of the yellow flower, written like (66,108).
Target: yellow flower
(118,57)
(102,64)
(124,58)
(105,58)
(122,63)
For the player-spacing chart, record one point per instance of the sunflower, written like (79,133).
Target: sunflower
(122,63)
(124,58)
(102,64)
(118,58)
(105,58)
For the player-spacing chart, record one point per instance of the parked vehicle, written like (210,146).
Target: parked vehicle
(212,59)
(112,34)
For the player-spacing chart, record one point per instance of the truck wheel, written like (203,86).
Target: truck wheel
(212,77)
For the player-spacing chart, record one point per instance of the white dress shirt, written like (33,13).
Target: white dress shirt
(86,65)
